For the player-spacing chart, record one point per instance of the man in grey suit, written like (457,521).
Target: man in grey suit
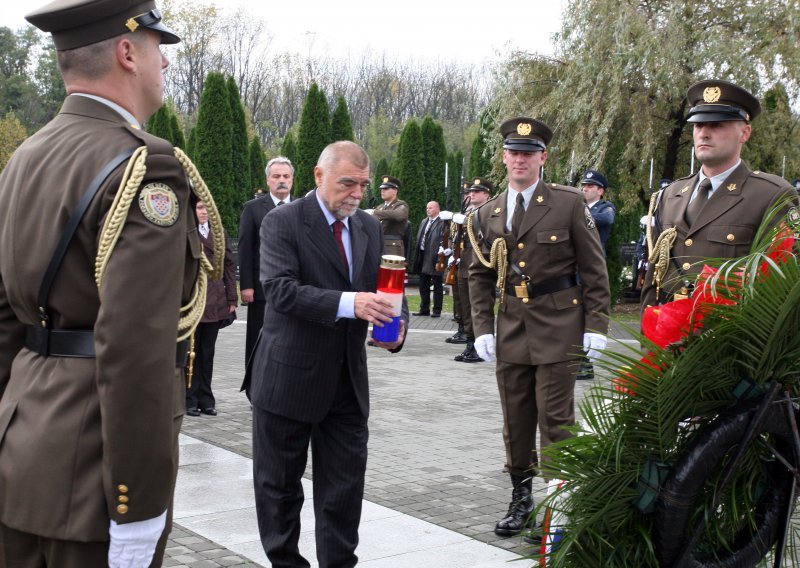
(280,175)
(308,374)
(429,241)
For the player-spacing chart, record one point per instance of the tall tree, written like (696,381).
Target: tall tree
(257,164)
(12,134)
(455,176)
(240,152)
(289,147)
(315,132)
(410,169)
(160,124)
(480,157)
(341,127)
(178,139)
(622,70)
(373,198)
(212,151)
(434,156)
(775,143)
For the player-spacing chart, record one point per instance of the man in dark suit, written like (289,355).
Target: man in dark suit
(429,240)
(280,175)
(308,375)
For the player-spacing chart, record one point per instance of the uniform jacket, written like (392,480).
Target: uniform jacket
(79,437)
(557,239)
(303,349)
(249,243)
(394,221)
(725,227)
(603,214)
(221,294)
(425,262)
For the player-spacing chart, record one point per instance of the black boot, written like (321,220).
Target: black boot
(519,509)
(586,372)
(458,337)
(460,356)
(470,355)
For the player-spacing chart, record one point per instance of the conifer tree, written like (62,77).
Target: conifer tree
(289,148)
(374,197)
(212,148)
(191,142)
(160,125)
(257,165)
(454,181)
(480,159)
(240,152)
(178,138)
(315,132)
(341,126)
(411,171)
(434,156)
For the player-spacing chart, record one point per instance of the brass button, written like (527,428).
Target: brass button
(553,238)
(688,242)
(122,499)
(122,509)
(122,488)
(522,264)
(520,246)
(575,301)
(730,237)
(525,300)
(686,266)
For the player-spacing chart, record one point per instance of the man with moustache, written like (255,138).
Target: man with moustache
(540,235)
(279,177)
(716,212)
(308,374)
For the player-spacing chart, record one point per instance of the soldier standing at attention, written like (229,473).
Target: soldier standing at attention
(540,236)
(716,212)
(393,215)
(92,342)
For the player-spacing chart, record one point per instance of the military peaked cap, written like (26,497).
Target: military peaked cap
(390,182)
(525,134)
(720,101)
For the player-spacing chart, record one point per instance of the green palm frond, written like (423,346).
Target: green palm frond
(675,395)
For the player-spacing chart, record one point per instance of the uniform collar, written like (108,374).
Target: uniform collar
(129,118)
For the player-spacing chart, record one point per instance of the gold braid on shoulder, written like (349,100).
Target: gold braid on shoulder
(658,254)
(115,221)
(498,255)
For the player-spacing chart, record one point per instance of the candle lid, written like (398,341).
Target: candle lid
(393,261)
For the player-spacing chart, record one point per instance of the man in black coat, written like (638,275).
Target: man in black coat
(280,175)
(307,378)
(429,241)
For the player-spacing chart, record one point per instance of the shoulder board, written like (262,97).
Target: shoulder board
(567,188)
(775,180)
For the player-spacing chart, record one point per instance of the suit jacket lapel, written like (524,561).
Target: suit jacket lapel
(683,197)
(537,209)
(321,235)
(358,245)
(727,195)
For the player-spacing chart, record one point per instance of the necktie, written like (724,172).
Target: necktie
(337,234)
(424,234)
(280,203)
(700,199)
(519,213)
(204,230)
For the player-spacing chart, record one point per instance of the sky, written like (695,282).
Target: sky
(466,31)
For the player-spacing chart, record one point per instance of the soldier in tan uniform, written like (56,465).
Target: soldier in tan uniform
(716,212)
(393,215)
(91,337)
(541,234)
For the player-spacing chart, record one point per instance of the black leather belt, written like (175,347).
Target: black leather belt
(393,237)
(77,343)
(532,290)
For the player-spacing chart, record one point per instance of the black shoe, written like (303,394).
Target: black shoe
(458,338)
(460,356)
(534,535)
(436,315)
(421,314)
(192,412)
(586,372)
(470,355)
(209,411)
(519,509)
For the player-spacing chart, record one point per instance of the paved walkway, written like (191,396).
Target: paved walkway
(434,481)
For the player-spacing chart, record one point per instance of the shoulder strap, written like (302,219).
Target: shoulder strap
(69,231)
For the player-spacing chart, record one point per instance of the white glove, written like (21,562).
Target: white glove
(450,261)
(369,211)
(134,544)
(459,218)
(445,215)
(441,250)
(447,251)
(484,345)
(592,344)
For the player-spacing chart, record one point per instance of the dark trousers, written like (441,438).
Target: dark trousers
(25,550)
(458,310)
(425,281)
(339,460)
(199,395)
(534,396)
(255,319)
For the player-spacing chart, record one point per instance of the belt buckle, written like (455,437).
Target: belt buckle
(681,294)
(521,291)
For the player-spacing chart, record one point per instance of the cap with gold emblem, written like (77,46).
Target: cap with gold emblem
(525,134)
(720,101)
(390,182)
(76,23)
(481,184)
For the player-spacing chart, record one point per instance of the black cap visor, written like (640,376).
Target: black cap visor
(523,145)
(152,21)
(716,113)
(387,185)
